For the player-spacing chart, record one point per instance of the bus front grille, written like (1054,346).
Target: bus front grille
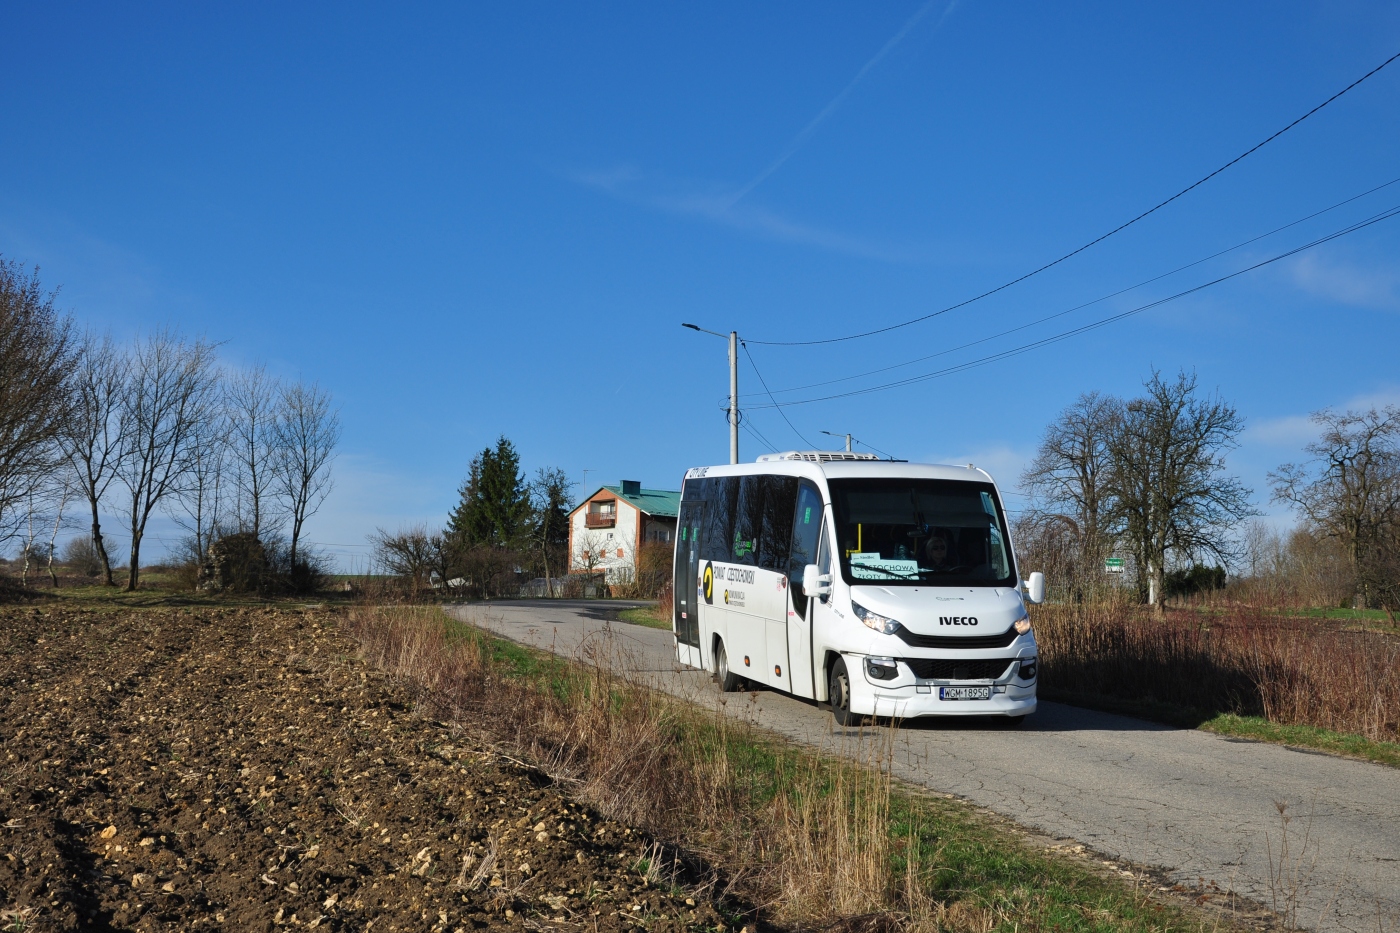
(968,642)
(958,669)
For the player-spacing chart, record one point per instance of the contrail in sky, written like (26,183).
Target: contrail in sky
(810,128)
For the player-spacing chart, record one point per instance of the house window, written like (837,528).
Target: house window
(619,552)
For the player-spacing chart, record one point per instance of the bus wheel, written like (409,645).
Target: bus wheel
(728,681)
(840,690)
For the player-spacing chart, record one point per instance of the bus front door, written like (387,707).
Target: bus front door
(687,610)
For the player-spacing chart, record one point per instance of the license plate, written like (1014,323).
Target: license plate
(964,693)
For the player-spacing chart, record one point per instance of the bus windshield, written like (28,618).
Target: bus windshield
(912,532)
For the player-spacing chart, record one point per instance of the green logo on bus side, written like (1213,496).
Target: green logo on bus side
(742,548)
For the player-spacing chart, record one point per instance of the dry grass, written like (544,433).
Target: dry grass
(1287,669)
(804,841)
(811,844)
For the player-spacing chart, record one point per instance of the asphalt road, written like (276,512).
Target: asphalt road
(1201,807)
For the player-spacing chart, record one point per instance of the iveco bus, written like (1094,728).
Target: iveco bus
(883,588)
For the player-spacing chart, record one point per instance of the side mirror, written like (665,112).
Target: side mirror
(1035,588)
(814,582)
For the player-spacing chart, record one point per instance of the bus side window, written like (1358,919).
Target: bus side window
(715,539)
(748,521)
(806,530)
(779,499)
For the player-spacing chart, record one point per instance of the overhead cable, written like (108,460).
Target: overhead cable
(764,383)
(1059,314)
(1065,335)
(1094,242)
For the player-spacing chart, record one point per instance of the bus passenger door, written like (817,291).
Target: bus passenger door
(778,669)
(806,529)
(686,585)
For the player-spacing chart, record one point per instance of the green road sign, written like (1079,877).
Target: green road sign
(1113,565)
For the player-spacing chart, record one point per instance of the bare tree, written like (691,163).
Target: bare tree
(63,491)
(1351,489)
(251,398)
(36,355)
(1170,496)
(307,431)
(411,553)
(32,522)
(171,396)
(199,507)
(81,556)
(93,435)
(593,552)
(1068,480)
(549,497)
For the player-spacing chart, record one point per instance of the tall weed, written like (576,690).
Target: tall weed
(1290,670)
(808,837)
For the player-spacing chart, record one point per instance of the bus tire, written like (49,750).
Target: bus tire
(729,682)
(839,690)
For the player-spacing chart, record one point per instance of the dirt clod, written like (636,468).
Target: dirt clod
(175,767)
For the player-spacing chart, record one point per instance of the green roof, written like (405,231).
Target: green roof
(661,503)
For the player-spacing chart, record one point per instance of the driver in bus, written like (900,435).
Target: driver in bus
(937,551)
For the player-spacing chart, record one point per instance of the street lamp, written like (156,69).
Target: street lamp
(846,436)
(733,388)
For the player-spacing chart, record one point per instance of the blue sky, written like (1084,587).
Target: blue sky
(473,220)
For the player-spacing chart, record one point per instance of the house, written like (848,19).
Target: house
(609,529)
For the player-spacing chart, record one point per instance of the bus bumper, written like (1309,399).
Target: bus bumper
(906,697)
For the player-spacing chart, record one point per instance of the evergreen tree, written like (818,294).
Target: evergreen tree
(495,506)
(461,522)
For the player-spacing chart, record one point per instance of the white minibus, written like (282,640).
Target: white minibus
(883,588)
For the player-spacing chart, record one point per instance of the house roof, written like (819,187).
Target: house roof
(659,503)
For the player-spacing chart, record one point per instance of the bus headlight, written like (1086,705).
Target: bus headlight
(873,620)
(1023,625)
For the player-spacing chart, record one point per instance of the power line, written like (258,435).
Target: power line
(764,383)
(1094,242)
(1065,335)
(758,435)
(1059,314)
(887,456)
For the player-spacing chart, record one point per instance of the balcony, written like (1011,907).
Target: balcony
(600,519)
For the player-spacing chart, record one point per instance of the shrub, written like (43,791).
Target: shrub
(1290,670)
(80,555)
(1194,580)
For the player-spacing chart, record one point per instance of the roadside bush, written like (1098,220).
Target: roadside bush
(1193,580)
(304,576)
(1289,670)
(80,556)
(1292,570)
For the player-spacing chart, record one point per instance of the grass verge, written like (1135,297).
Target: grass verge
(1256,728)
(817,842)
(645,615)
(1311,737)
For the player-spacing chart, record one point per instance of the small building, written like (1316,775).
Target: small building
(609,530)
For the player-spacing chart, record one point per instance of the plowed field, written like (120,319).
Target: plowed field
(240,769)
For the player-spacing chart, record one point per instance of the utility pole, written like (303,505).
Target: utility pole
(733,396)
(848,439)
(733,339)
